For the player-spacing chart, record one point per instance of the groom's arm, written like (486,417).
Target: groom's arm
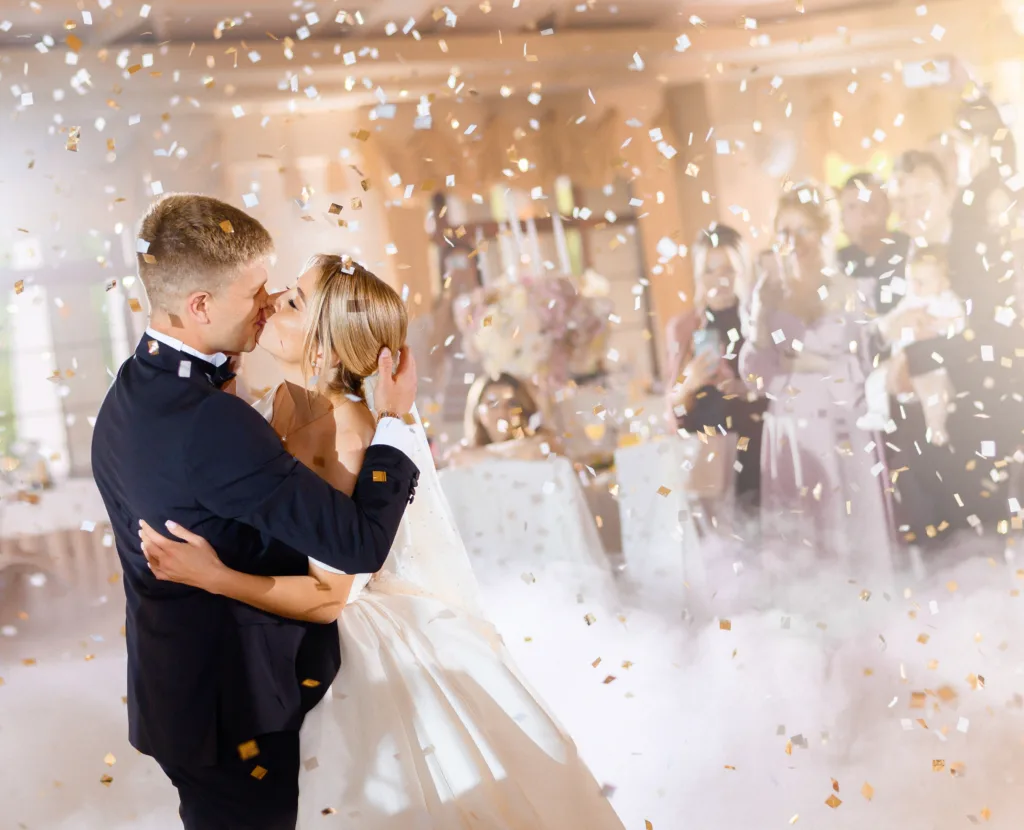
(239,470)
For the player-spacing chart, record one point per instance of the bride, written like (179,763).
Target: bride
(429,725)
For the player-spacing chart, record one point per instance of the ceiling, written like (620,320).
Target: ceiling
(188,20)
(203,49)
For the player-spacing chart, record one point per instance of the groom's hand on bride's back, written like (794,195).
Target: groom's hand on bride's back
(395,391)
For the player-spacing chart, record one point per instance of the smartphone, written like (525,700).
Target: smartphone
(706,340)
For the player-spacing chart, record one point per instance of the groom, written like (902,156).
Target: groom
(217,690)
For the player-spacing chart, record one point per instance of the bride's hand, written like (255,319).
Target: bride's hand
(191,561)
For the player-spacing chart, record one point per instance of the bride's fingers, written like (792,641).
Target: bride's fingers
(385,364)
(185,535)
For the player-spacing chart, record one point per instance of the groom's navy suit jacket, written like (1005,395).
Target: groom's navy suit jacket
(206,673)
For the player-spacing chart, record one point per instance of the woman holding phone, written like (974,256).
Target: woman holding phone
(821,475)
(704,388)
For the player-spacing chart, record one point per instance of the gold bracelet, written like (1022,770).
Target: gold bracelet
(385,413)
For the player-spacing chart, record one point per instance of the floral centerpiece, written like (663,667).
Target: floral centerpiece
(535,327)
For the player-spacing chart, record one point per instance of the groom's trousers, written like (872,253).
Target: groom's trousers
(260,792)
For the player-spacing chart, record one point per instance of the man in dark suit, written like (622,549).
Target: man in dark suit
(875,256)
(217,690)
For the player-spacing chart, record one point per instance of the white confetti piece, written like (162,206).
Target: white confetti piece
(963,725)
(250,200)
(778,336)
(988,449)
(88,526)
(141,246)
(157,188)
(185,369)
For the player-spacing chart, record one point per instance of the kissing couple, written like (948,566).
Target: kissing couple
(263,657)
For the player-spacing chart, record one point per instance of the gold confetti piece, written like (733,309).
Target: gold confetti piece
(923,639)
(590,619)
(89,657)
(627,664)
(795,819)
(741,444)
(365,185)
(867,791)
(380,476)
(527,639)
(361,135)
(951,586)
(596,663)
(106,780)
(29,661)
(917,700)
(74,136)
(328,811)
(134,304)
(357,203)
(19,286)
(986,813)
(247,750)
(259,773)
(487,321)
(725,625)
(648,825)
(334,209)
(789,747)
(310,683)
(310,764)
(226,227)
(833,802)
(109,759)
(835,785)
(938,765)
(609,679)
(663,490)
(730,766)
(74,41)
(149,258)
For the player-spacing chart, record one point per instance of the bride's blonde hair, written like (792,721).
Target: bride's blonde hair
(353,314)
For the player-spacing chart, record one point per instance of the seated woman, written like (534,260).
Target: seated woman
(704,388)
(820,474)
(502,421)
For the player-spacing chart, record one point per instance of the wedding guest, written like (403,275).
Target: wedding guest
(923,194)
(502,420)
(820,485)
(704,388)
(875,255)
(929,306)
(943,147)
(983,361)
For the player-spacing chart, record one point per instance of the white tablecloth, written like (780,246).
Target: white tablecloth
(657,529)
(509,508)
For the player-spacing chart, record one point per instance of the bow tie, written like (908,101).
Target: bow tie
(221,374)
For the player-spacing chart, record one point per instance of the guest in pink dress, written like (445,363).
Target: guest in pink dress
(822,479)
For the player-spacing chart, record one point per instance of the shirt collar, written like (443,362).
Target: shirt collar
(215,359)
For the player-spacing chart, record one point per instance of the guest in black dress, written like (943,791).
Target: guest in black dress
(704,388)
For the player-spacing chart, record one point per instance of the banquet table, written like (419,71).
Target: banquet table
(659,539)
(62,532)
(526,509)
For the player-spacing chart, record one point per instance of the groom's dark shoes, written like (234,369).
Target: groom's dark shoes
(207,676)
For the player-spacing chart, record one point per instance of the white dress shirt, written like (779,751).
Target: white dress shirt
(391,432)
(216,359)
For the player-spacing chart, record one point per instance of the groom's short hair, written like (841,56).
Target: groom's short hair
(189,242)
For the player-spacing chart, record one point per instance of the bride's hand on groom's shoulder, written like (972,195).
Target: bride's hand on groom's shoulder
(395,391)
(189,559)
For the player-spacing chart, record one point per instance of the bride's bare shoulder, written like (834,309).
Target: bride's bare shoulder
(354,424)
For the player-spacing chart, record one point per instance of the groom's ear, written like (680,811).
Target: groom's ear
(197,306)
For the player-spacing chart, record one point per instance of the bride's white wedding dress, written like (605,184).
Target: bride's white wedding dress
(429,725)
